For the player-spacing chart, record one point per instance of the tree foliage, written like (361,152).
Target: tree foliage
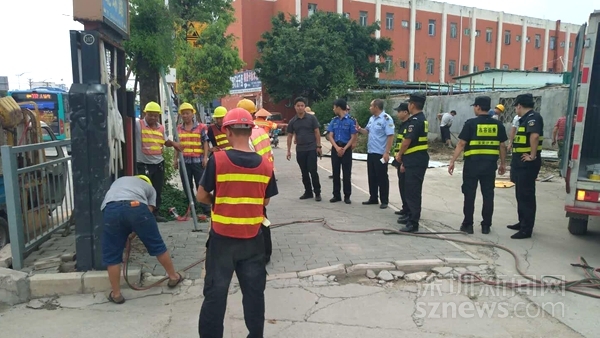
(203,70)
(151,46)
(322,56)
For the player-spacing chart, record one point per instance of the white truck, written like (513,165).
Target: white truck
(581,161)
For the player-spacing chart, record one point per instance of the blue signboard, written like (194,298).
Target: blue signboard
(245,82)
(116,13)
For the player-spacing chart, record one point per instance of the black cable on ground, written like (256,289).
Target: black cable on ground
(591,282)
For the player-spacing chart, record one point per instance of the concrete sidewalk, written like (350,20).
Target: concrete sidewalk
(296,247)
(318,306)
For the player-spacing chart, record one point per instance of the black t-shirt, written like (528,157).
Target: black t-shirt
(241,159)
(469,133)
(304,129)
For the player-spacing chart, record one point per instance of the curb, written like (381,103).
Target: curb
(18,287)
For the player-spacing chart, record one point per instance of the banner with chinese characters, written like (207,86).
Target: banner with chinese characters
(245,82)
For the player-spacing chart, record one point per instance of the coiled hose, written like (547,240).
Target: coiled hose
(591,282)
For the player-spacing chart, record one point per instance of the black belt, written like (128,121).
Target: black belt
(341,144)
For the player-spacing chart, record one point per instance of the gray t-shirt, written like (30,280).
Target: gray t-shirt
(130,188)
(141,157)
(304,128)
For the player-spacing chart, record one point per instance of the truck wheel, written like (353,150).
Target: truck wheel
(578,226)
(4,239)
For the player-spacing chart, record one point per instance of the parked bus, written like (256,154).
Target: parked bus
(53,105)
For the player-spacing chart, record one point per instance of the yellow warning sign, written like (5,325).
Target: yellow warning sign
(193,31)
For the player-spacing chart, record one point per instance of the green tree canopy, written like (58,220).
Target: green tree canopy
(324,55)
(151,46)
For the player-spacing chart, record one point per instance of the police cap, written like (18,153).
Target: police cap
(483,101)
(402,107)
(417,97)
(524,99)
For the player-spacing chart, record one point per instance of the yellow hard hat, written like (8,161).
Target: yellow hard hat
(219,112)
(500,107)
(248,105)
(152,107)
(186,106)
(145,178)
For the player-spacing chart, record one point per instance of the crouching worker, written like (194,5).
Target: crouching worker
(238,183)
(127,208)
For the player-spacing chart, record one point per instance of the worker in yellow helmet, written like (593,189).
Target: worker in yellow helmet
(216,134)
(151,140)
(194,141)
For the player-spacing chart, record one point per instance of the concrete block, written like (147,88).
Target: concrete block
(463,262)
(68,257)
(417,265)
(47,263)
(284,275)
(56,284)
(97,281)
(14,287)
(339,269)
(5,257)
(360,269)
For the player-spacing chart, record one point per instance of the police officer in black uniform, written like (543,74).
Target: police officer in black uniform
(414,158)
(403,116)
(342,133)
(526,163)
(482,139)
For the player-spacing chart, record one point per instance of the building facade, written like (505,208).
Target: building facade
(432,41)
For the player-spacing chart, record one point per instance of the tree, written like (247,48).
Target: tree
(204,70)
(151,46)
(322,56)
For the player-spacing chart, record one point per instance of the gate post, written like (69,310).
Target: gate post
(13,206)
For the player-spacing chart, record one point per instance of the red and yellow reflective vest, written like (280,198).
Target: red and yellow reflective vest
(191,141)
(220,138)
(262,143)
(153,139)
(239,197)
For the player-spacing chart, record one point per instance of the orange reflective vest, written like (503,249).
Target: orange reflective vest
(153,140)
(239,197)
(266,125)
(220,138)
(262,143)
(191,141)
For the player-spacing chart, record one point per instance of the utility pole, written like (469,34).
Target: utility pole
(30,83)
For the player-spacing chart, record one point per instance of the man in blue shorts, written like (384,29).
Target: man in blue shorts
(127,208)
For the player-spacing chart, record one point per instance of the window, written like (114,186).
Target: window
(417,66)
(452,68)
(363,18)
(505,67)
(562,44)
(535,69)
(418,26)
(551,70)
(347,15)
(487,66)
(389,21)
(404,23)
(571,44)
(430,66)
(453,30)
(552,42)
(538,41)
(465,68)
(477,33)
(467,31)
(431,28)
(312,9)
(507,37)
(488,35)
(388,63)
(518,38)
(528,40)
(475,69)
(403,64)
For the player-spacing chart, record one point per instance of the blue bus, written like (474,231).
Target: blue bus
(53,107)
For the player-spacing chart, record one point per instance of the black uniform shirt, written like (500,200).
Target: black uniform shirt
(415,128)
(469,133)
(533,123)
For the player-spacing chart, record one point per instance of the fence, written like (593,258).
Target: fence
(39,194)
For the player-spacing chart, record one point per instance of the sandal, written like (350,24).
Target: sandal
(173,283)
(119,300)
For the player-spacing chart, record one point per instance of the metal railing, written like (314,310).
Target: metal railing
(39,194)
